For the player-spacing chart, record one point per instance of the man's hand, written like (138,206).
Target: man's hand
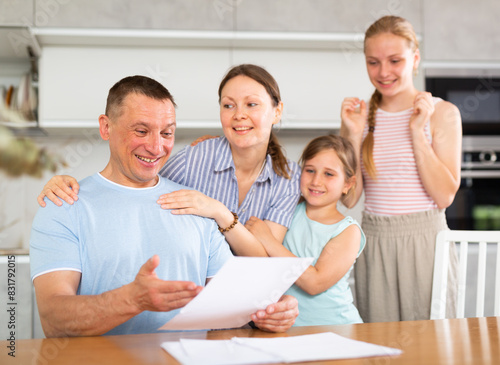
(277,317)
(153,294)
(64,313)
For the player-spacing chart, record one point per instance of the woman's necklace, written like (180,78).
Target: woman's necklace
(261,168)
(245,185)
(252,179)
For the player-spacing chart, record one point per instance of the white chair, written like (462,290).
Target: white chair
(439,287)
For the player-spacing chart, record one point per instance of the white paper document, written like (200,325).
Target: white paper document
(243,350)
(242,286)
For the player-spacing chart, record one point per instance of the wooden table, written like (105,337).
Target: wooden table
(454,341)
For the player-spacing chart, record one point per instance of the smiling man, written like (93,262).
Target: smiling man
(140,130)
(114,262)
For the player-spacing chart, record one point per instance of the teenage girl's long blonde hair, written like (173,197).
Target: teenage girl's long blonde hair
(399,27)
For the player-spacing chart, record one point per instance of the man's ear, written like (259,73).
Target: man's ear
(104,126)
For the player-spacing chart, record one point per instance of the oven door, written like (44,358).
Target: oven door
(477,204)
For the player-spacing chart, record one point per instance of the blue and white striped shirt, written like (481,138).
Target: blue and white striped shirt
(209,167)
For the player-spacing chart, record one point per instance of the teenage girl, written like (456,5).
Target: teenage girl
(408,145)
(319,230)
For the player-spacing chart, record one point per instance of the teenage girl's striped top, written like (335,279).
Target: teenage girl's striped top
(398,188)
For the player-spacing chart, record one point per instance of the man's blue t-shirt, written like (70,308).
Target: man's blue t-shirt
(112,230)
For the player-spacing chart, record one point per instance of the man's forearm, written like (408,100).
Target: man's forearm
(86,315)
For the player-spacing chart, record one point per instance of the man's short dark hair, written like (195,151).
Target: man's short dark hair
(135,84)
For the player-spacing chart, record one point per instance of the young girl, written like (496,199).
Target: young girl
(319,230)
(409,148)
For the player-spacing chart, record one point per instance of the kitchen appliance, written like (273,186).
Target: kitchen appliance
(476,93)
(477,203)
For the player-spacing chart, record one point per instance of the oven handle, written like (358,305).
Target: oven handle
(480,174)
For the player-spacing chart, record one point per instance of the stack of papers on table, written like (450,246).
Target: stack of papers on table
(242,350)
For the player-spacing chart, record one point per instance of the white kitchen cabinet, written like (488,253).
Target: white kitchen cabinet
(74,81)
(314,70)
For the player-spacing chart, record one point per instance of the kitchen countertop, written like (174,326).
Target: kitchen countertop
(14,251)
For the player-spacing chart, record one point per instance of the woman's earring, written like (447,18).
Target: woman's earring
(415,72)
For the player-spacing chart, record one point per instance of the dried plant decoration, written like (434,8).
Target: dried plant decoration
(20,155)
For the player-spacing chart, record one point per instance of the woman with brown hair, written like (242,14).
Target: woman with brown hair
(244,173)
(408,145)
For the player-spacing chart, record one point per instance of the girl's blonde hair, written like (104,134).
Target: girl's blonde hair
(344,149)
(399,27)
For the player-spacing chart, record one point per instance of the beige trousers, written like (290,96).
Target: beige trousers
(393,275)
